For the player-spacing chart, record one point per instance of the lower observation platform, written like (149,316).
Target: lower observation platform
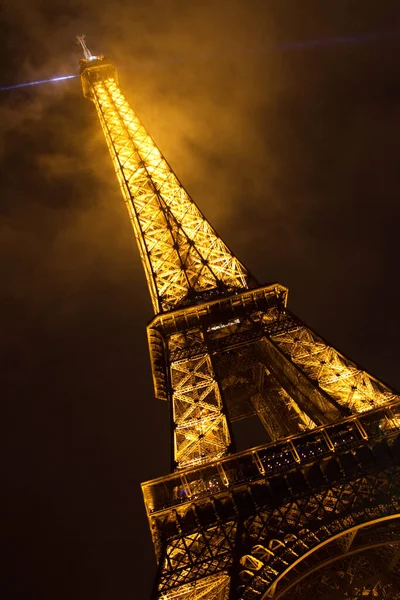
(208,313)
(275,470)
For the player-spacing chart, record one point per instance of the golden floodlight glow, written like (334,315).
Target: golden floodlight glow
(224,348)
(181,253)
(336,375)
(185,262)
(182,257)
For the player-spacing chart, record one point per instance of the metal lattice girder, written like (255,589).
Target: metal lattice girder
(181,253)
(215,587)
(338,377)
(206,552)
(271,533)
(200,426)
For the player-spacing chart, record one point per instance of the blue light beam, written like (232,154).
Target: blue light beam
(20,85)
(277,47)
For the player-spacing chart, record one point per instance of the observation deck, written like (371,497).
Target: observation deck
(274,470)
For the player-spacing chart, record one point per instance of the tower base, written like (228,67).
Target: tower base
(305,517)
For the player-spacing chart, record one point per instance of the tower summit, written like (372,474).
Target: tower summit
(313,512)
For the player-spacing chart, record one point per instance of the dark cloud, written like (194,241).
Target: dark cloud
(292,151)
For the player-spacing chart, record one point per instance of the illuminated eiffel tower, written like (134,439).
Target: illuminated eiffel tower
(311,514)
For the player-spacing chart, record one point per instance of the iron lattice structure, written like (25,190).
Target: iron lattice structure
(313,512)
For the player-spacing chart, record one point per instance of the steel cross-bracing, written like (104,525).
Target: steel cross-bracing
(182,255)
(313,513)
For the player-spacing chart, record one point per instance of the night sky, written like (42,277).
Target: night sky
(282,119)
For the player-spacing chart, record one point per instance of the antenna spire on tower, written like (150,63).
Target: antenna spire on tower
(86,52)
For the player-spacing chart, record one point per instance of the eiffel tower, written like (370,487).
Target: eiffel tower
(314,512)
